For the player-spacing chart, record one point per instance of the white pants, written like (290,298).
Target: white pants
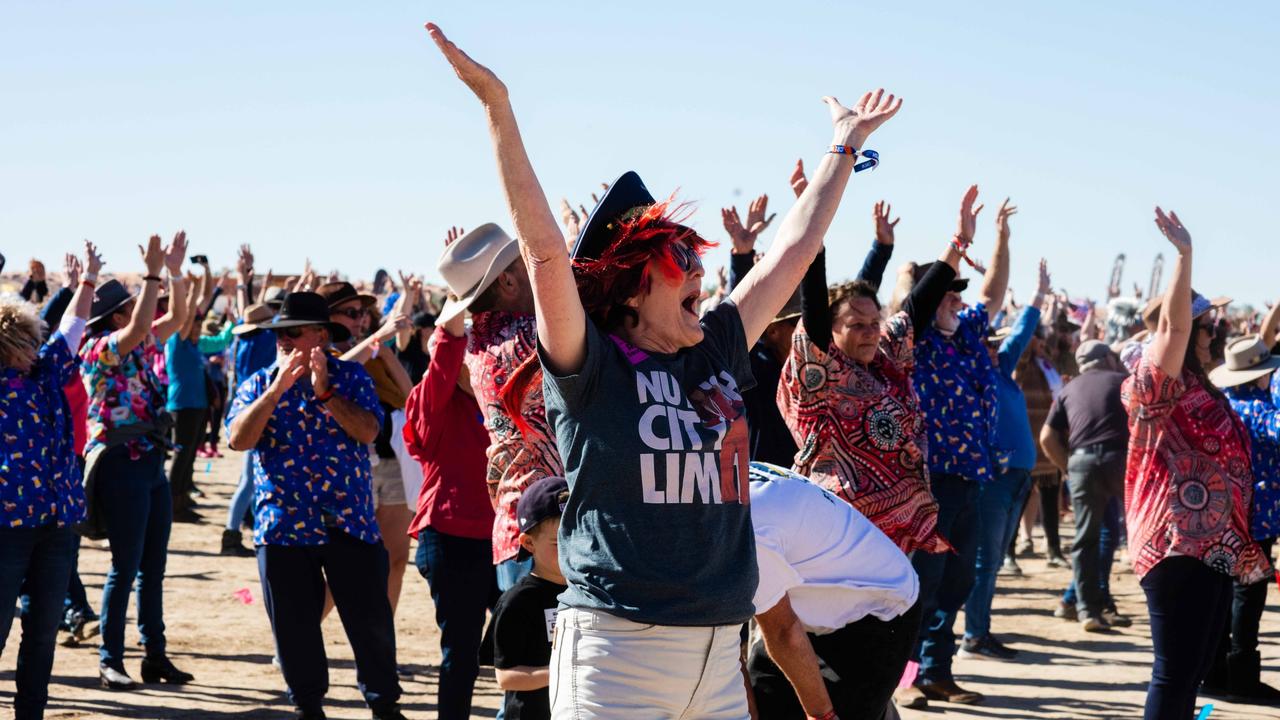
(604,667)
(410,469)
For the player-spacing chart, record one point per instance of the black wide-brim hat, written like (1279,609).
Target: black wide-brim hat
(957,285)
(107,298)
(306,308)
(624,195)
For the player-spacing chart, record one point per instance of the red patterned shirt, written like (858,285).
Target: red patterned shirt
(861,433)
(1188,486)
(499,342)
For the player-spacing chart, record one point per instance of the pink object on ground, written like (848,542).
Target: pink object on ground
(244,595)
(909,674)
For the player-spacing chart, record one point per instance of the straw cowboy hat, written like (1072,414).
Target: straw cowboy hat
(471,263)
(254,316)
(1247,360)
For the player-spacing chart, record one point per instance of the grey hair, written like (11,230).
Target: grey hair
(20,329)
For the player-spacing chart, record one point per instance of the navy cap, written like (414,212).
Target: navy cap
(625,194)
(544,499)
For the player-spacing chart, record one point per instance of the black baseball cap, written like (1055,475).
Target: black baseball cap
(544,499)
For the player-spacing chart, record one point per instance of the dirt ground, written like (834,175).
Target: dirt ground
(1061,673)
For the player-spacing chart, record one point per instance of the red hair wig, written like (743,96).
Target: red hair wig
(644,238)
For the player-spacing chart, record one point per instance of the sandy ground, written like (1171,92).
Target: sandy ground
(1061,673)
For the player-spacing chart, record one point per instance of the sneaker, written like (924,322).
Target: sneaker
(948,691)
(1010,567)
(1094,624)
(1115,619)
(1057,561)
(187,515)
(911,698)
(987,647)
(1066,611)
(1026,548)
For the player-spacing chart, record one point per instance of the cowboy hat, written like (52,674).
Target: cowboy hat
(1199,306)
(1248,359)
(957,284)
(254,316)
(274,297)
(306,308)
(471,263)
(107,298)
(336,293)
(625,194)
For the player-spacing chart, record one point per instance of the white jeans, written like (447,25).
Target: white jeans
(604,667)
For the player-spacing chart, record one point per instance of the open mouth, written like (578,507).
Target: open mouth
(690,303)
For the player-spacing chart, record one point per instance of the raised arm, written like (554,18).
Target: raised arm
(1268,330)
(144,308)
(1025,328)
(1169,342)
(770,283)
(562,323)
(172,321)
(743,256)
(190,329)
(882,249)
(922,301)
(996,280)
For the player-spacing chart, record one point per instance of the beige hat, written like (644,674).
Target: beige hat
(1247,360)
(471,263)
(254,316)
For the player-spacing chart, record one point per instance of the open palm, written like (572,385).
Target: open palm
(482,81)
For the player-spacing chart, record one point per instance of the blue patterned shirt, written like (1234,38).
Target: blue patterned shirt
(308,474)
(1258,410)
(40,478)
(956,383)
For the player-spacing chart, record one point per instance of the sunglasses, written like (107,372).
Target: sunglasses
(686,258)
(350,313)
(293,333)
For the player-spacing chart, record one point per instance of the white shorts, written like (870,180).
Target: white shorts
(604,667)
(410,468)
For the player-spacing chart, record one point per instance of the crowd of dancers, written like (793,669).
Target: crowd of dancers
(633,496)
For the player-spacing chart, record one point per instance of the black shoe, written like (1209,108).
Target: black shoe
(391,712)
(987,647)
(305,715)
(233,545)
(187,515)
(160,669)
(1244,681)
(113,678)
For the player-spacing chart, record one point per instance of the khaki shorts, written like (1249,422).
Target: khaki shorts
(388,486)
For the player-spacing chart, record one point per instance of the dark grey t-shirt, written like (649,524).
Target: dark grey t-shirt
(1089,410)
(657,528)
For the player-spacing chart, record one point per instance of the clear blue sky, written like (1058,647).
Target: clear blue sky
(335,130)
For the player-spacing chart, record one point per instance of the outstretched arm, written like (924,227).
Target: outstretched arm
(1169,343)
(1269,325)
(172,321)
(996,280)
(770,283)
(882,249)
(562,323)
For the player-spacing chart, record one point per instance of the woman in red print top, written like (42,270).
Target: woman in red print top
(1187,492)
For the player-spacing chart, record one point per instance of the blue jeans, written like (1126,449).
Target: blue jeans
(243,495)
(946,578)
(293,583)
(999,508)
(38,560)
(1108,541)
(137,509)
(511,570)
(464,586)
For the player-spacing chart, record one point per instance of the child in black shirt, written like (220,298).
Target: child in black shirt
(524,619)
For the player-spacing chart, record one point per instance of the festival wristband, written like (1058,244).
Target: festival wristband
(88,283)
(872,157)
(324,397)
(963,249)
(89,277)
(149,278)
(828,715)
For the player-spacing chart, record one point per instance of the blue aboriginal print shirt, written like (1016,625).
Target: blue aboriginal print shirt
(956,383)
(40,478)
(1257,408)
(308,474)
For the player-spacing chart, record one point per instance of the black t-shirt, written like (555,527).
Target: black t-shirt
(415,360)
(771,441)
(1089,410)
(524,621)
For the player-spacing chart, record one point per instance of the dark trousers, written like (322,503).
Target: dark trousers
(293,583)
(37,561)
(861,664)
(1188,602)
(188,429)
(1095,477)
(1108,541)
(946,578)
(137,510)
(464,586)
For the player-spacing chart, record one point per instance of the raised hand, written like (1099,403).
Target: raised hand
(571,220)
(92,259)
(319,371)
(36,270)
(453,234)
(884,228)
(743,241)
(295,366)
(153,255)
(175,253)
(854,125)
(71,270)
(798,181)
(1002,219)
(968,222)
(482,81)
(757,220)
(1174,231)
(244,262)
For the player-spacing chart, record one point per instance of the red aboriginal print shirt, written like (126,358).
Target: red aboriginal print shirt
(861,433)
(499,342)
(1188,486)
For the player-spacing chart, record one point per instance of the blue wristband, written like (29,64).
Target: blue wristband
(872,157)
